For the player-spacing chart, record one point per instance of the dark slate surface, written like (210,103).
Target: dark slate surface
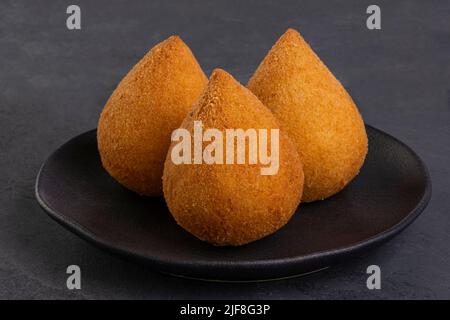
(54,82)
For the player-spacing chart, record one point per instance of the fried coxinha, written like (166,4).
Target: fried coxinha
(232,204)
(316,111)
(148,104)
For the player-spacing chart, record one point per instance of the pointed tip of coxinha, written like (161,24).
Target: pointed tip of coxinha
(173,40)
(225,97)
(292,49)
(220,74)
(222,84)
(291,34)
(221,77)
(293,37)
(172,48)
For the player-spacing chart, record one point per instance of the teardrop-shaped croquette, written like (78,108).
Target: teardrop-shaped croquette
(152,100)
(233,204)
(318,114)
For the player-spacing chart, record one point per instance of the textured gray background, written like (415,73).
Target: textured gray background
(54,82)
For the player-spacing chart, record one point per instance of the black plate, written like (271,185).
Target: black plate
(392,189)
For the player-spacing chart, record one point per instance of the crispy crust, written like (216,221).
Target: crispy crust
(317,113)
(152,100)
(232,204)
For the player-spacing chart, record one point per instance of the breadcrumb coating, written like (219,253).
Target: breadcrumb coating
(232,204)
(136,123)
(316,111)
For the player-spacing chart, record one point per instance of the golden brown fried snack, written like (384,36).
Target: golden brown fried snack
(152,100)
(317,112)
(232,204)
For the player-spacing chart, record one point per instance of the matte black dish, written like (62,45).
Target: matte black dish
(392,189)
